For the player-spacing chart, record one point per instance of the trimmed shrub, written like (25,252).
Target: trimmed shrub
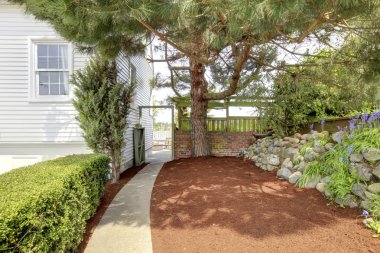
(44,207)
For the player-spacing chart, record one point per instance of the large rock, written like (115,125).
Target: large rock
(348,200)
(269,167)
(326,180)
(371,154)
(298,136)
(292,140)
(325,133)
(290,153)
(362,171)
(370,195)
(310,155)
(287,164)
(301,166)
(273,160)
(376,171)
(356,158)
(339,136)
(374,188)
(313,181)
(359,190)
(305,136)
(364,204)
(321,187)
(284,173)
(319,149)
(293,178)
(329,146)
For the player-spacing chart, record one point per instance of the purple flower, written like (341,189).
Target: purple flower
(352,125)
(365,213)
(323,121)
(339,128)
(341,159)
(364,117)
(357,116)
(312,127)
(350,149)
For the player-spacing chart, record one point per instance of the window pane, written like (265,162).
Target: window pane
(53,63)
(54,77)
(64,81)
(42,62)
(44,89)
(63,59)
(42,50)
(44,77)
(54,89)
(53,50)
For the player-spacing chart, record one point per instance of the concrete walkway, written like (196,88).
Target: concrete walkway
(125,226)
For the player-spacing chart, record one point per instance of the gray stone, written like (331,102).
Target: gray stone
(315,135)
(374,188)
(319,149)
(339,136)
(284,173)
(255,158)
(273,160)
(293,178)
(290,153)
(313,181)
(362,171)
(298,136)
(329,146)
(305,136)
(371,154)
(328,194)
(311,155)
(321,187)
(348,200)
(292,140)
(376,171)
(356,158)
(364,204)
(326,179)
(325,133)
(271,167)
(359,190)
(301,166)
(370,195)
(297,159)
(303,142)
(287,164)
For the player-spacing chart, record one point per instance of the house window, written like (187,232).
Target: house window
(51,70)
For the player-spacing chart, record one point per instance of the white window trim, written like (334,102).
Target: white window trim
(33,89)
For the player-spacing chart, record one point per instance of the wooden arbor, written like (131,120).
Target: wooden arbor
(227,123)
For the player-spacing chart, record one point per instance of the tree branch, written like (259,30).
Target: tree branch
(164,39)
(243,57)
(316,22)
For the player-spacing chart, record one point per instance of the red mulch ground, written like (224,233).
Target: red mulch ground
(229,205)
(109,194)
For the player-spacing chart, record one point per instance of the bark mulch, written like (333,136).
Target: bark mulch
(109,194)
(214,204)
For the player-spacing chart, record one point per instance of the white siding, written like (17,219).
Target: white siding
(142,98)
(42,124)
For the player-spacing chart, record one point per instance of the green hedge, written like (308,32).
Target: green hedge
(44,207)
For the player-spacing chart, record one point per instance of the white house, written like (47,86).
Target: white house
(37,119)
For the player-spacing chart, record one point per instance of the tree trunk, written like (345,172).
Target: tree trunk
(115,167)
(199,140)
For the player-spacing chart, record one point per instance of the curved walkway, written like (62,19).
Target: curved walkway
(125,226)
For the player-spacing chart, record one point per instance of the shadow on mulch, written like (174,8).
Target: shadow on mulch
(226,204)
(109,194)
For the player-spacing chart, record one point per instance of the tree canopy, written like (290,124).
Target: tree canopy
(203,33)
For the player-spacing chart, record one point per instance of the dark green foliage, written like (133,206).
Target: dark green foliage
(44,207)
(103,104)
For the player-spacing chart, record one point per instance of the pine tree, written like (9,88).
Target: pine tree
(103,105)
(201,32)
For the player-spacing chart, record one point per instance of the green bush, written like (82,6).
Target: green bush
(44,207)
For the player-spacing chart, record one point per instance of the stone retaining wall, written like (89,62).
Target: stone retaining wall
(222,143)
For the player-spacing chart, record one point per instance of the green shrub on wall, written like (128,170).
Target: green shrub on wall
(44,207)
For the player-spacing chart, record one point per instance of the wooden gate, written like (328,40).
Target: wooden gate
(139,145)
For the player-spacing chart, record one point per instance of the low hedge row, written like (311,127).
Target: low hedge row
(44,207)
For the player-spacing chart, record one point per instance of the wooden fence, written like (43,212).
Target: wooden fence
(230,124)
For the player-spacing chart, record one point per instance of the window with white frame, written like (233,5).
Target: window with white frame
(51,69)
